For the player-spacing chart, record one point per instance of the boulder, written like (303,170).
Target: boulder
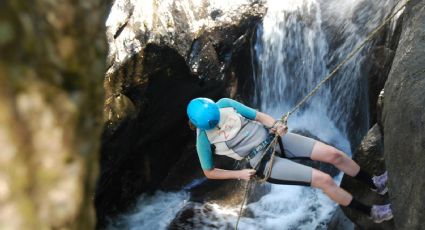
(404,121)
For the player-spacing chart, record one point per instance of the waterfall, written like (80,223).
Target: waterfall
(297,45)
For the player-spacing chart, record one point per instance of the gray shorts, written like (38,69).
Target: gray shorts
(285,171)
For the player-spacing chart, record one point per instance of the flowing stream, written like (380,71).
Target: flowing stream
(297,45)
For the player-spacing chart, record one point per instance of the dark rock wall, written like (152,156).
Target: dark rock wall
(404,121)
(147,143)
(52,63)
(381,60)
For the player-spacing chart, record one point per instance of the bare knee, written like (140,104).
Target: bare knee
(326,153)
(336,157)
(322,180)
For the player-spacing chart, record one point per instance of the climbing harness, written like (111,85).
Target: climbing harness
(285,117)
(272,144)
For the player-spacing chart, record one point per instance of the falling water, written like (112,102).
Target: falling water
(297,45)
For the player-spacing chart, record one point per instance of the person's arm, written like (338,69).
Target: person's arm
(271,123)
(265,119)
(250,113)
(242,109)
(217,173)
(205,157)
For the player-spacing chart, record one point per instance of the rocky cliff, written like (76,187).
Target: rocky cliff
(161,55)
(52,63)
(404,122)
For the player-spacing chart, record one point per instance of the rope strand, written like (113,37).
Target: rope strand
(247,189)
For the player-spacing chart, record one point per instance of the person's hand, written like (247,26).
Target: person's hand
(279,128)
(246,174)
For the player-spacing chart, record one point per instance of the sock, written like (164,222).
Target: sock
(365,178)
(354,204)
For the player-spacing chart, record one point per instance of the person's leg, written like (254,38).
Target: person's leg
(287,172)
(378,213)
(325,182)
(326,153)
(300,146)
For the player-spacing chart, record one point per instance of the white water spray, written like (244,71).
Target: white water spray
(152,212)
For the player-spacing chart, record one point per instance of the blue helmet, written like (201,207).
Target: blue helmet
(203,113)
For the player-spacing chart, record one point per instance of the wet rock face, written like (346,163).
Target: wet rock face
(370,157)
(381,60)
(159,59)
(404,121)
(52,63)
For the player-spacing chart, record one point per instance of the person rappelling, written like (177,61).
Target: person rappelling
(242,133)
